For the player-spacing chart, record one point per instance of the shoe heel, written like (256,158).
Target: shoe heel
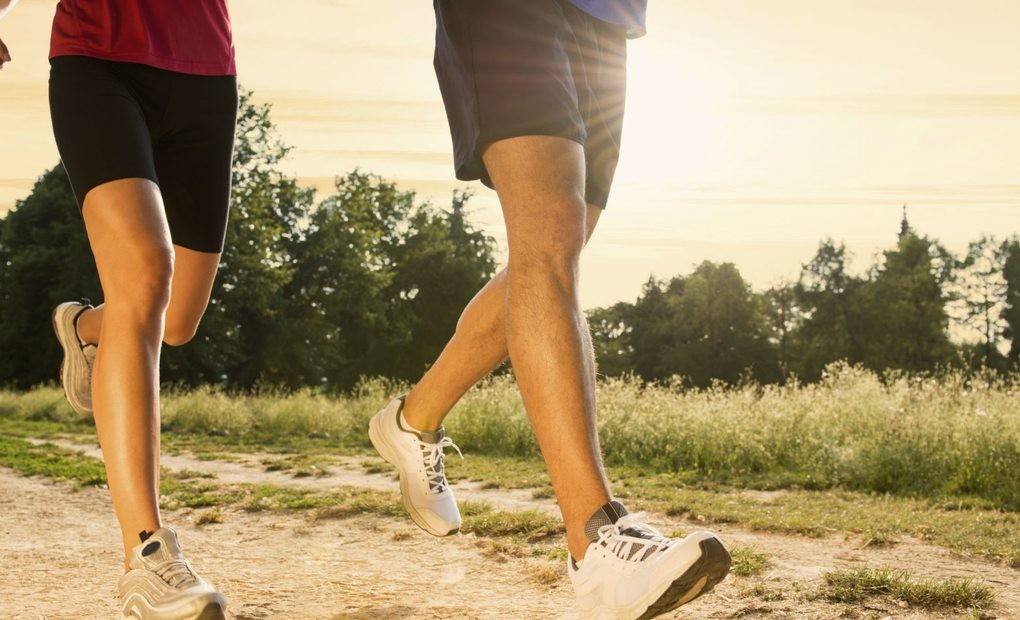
(711,568)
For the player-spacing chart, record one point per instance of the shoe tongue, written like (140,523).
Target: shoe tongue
(162,546)
(607,515)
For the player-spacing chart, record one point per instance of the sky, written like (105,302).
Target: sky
(753,129)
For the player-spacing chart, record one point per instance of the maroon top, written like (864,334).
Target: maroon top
(187,36)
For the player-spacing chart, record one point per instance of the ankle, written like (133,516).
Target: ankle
(84,339)
(577,546)
(418,422)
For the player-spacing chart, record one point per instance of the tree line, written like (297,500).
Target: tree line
(917,308)
(370,281)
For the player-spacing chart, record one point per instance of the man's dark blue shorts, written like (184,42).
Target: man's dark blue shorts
(510,68)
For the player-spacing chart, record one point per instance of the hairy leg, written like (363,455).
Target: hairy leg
(131,243)
(478,347)
(540,183)
(190,288)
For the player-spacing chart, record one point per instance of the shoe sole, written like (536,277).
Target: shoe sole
(711,568)
(211,611)
(386,452)
(73,359)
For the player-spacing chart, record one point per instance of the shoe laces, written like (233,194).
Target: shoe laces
(176,573)
(432,455)
(631,539)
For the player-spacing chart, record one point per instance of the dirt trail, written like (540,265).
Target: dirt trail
(283,566)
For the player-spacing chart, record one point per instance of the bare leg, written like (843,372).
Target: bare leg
(131,243)
(477,347)
(194,274)
(540,183)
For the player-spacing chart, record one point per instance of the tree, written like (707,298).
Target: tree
(783,317)
(831,316)
(379,282)
(980,297)
(612,335)
(904,307)
(1011,309)
(706,326)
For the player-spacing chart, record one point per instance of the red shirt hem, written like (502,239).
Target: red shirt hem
(146,58)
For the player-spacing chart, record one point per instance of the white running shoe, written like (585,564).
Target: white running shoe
(161,585)
(76,368)
(418,457)
(631,571)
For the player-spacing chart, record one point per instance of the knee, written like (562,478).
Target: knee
(551,256)
(177,334)
(144,290)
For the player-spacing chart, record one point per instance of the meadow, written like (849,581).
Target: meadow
(935,458)
(947,436)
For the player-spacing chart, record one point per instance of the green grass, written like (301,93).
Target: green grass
(859,584)
(183,489)
(930,458)
(956,437)
(748,562)
(968,525)
(50,461)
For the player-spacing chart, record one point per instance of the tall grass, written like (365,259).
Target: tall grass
(941,436)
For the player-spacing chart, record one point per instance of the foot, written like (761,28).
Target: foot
(418,457)
(76,369)
(161,585)
(631,571)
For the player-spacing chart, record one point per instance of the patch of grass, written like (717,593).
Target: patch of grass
(858,584)
(209,517)
(400,535)
(191,474)
(529,525)
(545,573)
(765,593)
(852,430)
(51,461)
(501,549)
(980,531)
(748,562)
(375,466)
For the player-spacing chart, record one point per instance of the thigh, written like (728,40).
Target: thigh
(99,125)
(190,288)
(540,183)
(193,156)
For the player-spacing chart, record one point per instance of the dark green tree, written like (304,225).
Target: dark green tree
(904,305)
(379,282)
(783,318)
(612,336)
(1011,311)
(828,296)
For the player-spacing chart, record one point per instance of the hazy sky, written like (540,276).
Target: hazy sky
(754,129)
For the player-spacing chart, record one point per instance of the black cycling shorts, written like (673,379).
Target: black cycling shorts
(118,120)
(509,68)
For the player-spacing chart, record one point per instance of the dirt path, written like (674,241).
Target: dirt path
(283,566)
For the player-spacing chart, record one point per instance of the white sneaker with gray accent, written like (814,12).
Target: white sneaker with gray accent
(418,457)
(631,571)
(76,368)
(161,585)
